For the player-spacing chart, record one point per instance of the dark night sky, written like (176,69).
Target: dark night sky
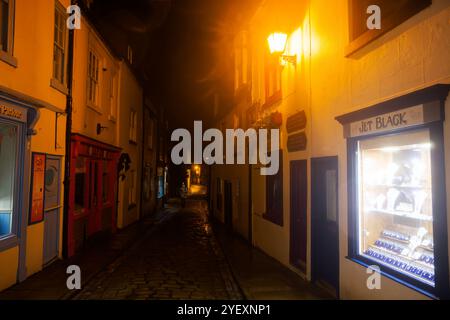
(184,47)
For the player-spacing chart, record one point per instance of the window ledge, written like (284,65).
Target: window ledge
(8,58)
(95,109)
(8,242)
(112,118)
(55,84)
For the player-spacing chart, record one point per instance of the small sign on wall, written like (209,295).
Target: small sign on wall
(37,188)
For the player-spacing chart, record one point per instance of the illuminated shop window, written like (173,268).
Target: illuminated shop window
(8,161)
(395,203)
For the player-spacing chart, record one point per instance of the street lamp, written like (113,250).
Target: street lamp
(277,45)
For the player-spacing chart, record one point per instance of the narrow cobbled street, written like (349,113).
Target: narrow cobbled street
(179,260)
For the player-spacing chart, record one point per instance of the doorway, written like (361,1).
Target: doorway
(298,224)
(52,204)
(324,217)
(228,205)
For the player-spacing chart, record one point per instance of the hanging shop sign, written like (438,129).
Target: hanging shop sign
(37,188)
(399,119)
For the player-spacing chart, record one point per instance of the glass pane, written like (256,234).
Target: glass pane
(4,25)
(395,196)
(8,154)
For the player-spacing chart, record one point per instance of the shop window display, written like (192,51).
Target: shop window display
(8,161)
(395,203)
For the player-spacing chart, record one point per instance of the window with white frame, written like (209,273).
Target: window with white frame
(93,78)
(132,188)
(59,44)
(133,126)
(6,28)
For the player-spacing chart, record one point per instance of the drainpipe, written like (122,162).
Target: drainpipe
(68,141)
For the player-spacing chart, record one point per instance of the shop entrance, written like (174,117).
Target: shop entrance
(93,190)
(52,205)
(324,217)
(228,205)
(299,194)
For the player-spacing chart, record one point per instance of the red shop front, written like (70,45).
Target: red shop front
(93,190)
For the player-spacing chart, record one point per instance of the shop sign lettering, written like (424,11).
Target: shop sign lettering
(11,112)
(390,121)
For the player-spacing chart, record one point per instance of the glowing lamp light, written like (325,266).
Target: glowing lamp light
(277,45)
(277,42)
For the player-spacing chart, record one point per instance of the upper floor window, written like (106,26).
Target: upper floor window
(272,74)
(241,57)
(113,94)
(59,45)
(132,189)
(93,78)
(7,31)
(391,14)
(133,126)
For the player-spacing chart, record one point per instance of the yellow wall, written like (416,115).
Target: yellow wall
(31,77)
(8,272)
(35,240)
(86,118)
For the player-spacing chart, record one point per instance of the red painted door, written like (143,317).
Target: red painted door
(94,196)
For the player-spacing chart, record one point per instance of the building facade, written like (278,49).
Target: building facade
(32,136)
(337,91)
(94,138)
(130,121)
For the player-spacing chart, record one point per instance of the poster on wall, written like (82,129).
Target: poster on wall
(37,188)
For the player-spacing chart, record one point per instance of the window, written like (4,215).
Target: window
(130,55)
(132,188)
(272,79)
(395,211)
(8,153)
(93,78)
(59,44)
(274,196)
(113,87)
(393,13)
(7,31)
(241,60)
(133,126)
(148,179)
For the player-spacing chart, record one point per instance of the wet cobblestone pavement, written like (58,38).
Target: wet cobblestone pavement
(180,259)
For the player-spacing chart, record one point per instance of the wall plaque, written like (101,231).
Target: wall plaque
(296,122)
(297,142)
(37,188)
